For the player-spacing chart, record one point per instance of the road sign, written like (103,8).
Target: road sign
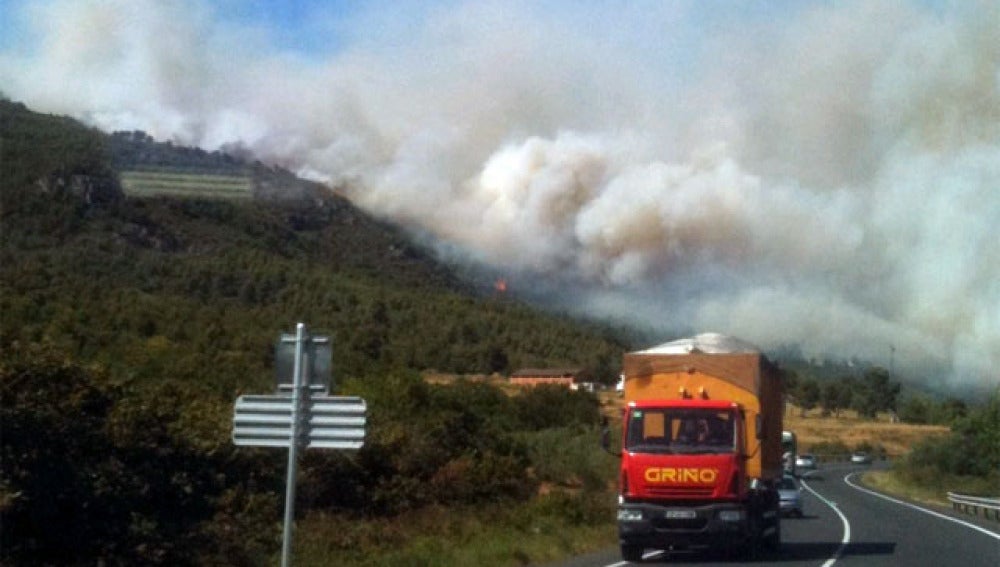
(316,362)
(303,416)
(327,422)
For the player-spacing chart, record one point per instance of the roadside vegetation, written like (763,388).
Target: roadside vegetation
(129,326)
(937,444)
(966,460)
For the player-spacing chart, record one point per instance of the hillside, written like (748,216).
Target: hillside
(203,274)
(131,323)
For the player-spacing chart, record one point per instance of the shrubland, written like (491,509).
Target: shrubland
(129,326)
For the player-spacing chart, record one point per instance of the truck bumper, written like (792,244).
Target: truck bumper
(662,527)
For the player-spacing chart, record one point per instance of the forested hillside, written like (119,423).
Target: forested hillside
(100,275)
(129,326)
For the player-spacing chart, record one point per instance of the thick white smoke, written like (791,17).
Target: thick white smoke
(822,175)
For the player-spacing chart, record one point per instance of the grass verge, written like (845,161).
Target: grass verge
(547,529)
(928,486)
(893,484)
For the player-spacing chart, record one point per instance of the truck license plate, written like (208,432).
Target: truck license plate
(680,514)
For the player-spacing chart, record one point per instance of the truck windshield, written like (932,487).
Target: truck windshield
(673,430)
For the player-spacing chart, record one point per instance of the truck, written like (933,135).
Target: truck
(701,448)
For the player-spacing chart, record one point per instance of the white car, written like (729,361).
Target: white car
(791,496)
(861,458)
(806,462)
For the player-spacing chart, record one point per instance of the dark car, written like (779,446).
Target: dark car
(791,496)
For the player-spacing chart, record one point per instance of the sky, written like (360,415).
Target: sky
(812,173)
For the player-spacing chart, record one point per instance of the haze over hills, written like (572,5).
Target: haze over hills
(227,275)
(355,239)
(814,175)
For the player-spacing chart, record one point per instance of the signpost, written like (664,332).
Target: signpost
(300,414)
(333,422)
(318,357)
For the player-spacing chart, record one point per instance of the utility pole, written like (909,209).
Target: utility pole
(892,358)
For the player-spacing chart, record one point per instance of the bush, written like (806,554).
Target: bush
(556,406)
(61,491)
(570,456)
(95,472)
(969,456)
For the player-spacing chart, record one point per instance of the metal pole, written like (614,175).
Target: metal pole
(293,446)
(892,359)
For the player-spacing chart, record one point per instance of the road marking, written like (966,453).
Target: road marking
(645,557)
(847,526)
(847,479)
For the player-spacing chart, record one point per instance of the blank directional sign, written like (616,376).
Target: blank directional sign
(327,422)
(317,362)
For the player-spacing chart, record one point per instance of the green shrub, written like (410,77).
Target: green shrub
(569,456)
(967,460)
(547,406)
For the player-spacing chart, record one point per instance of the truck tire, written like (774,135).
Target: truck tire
(751,547)
(773,541)
(631,552)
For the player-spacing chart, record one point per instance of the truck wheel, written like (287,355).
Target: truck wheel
(751,547)
(773,541)
(631,552)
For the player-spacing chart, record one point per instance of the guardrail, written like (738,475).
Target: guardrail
(973,504)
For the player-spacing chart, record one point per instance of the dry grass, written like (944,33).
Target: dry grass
(890,482)
(496,380)
(814,428)
(849,429)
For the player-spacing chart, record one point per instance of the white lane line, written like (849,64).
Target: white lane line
(645,557)
(847,526)
(847,479)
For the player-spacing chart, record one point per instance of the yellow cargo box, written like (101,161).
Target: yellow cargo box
(711,366)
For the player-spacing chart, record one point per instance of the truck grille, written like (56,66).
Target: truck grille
(681,491)
(674,524)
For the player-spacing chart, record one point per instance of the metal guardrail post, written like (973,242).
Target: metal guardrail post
(963,503)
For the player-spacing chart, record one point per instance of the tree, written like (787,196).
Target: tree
(950,411)
(808,394)
(832,396)
(915,409)
(877,393)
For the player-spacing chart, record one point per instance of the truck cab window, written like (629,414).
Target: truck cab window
(703,431)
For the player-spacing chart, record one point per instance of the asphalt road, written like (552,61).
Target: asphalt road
(846,524)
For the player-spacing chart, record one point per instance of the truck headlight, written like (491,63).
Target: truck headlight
(629,515)
(731,515)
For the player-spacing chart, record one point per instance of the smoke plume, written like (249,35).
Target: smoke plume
(826,175)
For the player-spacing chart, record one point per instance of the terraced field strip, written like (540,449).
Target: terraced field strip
(152,183)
